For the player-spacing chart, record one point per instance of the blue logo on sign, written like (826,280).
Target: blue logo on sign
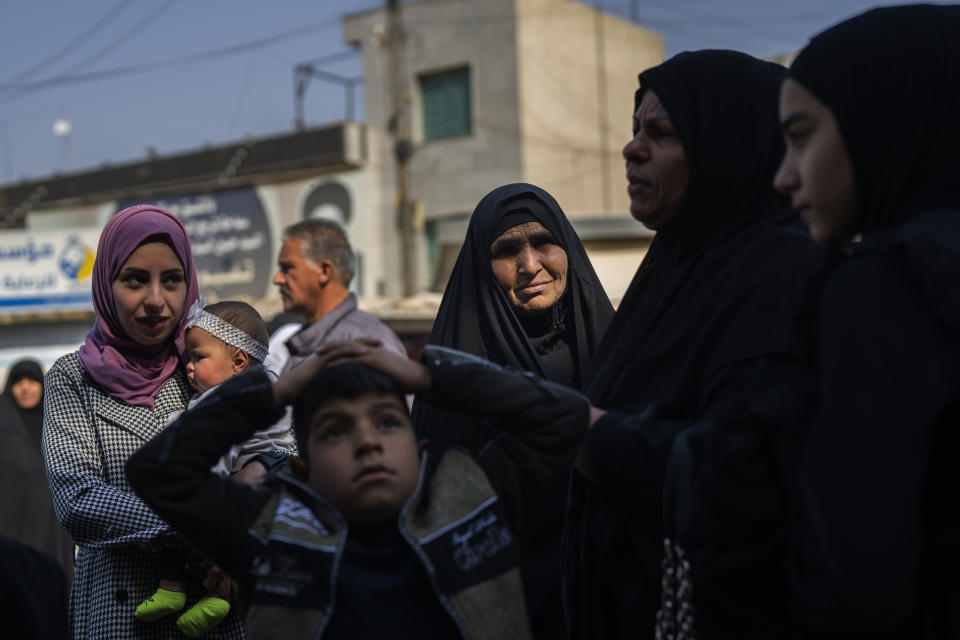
(76,259)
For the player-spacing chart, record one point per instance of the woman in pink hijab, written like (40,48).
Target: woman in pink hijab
(104,401)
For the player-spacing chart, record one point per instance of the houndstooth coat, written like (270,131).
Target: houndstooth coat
(87,438)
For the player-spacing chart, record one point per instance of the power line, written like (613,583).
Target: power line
(144,67)
(95,95)
(125,37)
(73,44)
(86,62)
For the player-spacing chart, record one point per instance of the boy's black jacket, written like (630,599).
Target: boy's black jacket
(541,423)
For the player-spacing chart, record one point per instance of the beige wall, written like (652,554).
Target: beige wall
(450,176)
(536,115)
(566,137)
(616,263)
(87,215)
(536,110)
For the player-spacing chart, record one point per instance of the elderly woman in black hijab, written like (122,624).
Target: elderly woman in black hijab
(873,133)
(700,372)
(523,293)
(26,514)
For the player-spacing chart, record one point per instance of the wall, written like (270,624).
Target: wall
(450,176)
(560,104)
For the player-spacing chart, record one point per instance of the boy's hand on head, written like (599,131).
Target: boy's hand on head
(288,387)
(345,351)
(412,376)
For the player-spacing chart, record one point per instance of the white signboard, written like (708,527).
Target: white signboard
(44,271)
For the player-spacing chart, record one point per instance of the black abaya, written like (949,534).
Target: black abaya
(27,514)
(475,316)
(702,372)
(877,540)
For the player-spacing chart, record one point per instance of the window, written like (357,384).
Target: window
(446,103)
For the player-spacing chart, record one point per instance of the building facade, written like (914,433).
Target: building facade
(500,91)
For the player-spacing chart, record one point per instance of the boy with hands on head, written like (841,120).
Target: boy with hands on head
(361,537)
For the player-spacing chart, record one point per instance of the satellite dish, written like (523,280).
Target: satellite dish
(329,201)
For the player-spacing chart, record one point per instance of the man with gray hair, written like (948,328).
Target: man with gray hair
(316,266)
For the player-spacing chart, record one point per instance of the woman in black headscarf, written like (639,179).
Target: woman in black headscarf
(700,371)
(873,133)
(26,514)
(524,294)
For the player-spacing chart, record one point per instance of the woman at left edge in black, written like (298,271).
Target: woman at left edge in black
(523,294)
(27,513)
(677,501)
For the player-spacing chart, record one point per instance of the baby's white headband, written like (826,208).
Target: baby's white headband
(223,330)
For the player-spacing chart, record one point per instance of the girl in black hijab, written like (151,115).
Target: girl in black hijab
(26,514)
(700,371)
(500,322)
(873,135)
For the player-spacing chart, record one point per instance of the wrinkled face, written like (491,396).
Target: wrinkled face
(363,456)
(657,167)
(297,278)
(149,292)
(211,360)
(816,171)
(27,392)
(530,267)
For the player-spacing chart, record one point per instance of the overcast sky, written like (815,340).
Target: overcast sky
(176,74)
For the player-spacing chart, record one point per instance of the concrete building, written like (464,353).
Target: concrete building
(501,91)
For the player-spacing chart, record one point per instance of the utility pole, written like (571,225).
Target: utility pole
(599,40)
(399,126)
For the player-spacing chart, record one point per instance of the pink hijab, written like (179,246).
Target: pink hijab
(126,369)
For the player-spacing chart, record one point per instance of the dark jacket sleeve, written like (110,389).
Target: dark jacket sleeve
(630,449)
(747,404)
(171,473)
(542,424)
